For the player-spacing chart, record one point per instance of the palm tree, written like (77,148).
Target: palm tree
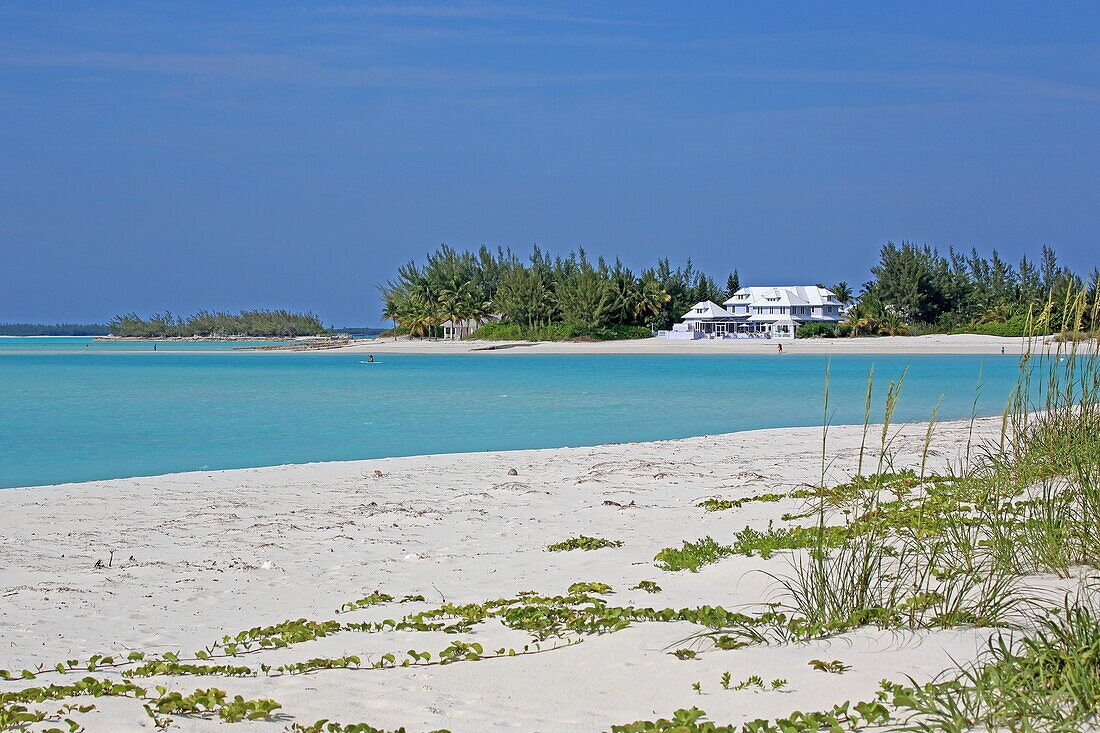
(865,318)
(624,296)
(420,317)
(477,309)
(870,317)
(392,308)
(863,325)
(842,292)
(997,314)
(892,326)
(453,301)
(651,299)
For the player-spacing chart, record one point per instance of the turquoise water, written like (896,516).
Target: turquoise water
(74,344)
(81,413)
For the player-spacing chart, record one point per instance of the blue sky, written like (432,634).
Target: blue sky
(199,154)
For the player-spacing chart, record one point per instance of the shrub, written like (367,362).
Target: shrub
(622,331)
(583,588)
(583,543)
(557,331)
(497,331)
(920,328)
(1014,326)
(692,556)
(823,330)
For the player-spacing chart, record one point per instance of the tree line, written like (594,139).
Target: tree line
(570,295)
(912,289)
(916,289)
(207,324)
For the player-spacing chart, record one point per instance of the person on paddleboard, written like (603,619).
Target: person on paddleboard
(370,358)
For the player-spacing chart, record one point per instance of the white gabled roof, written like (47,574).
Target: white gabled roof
(787,295)
(708,308)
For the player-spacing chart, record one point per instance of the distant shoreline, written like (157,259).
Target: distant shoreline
(935,344)
(221,339)
(916,345)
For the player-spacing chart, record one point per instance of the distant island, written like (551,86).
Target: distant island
(201,325)
(218,324)
(359,332)
(53,329)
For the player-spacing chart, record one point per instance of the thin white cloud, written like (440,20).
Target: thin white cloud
(278,69)
(467,12)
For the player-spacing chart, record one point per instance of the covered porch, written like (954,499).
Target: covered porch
(775,326)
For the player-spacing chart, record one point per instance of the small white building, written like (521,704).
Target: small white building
(760,312)
(462,329)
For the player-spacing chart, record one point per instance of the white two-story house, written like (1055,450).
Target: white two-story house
(760,312)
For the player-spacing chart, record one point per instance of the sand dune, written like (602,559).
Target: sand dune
(174,562)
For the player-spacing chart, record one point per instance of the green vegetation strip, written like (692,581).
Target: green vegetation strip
(583,543)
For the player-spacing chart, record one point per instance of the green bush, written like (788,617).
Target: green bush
(583,542)
(557,331)
(823,330)
(1014,326)
(622,331)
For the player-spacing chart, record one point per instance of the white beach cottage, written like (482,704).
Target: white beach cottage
(761,312)
(462,329)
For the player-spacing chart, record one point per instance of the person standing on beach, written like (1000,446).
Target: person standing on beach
(779,348)
(1002,349)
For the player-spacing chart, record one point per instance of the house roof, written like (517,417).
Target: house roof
(786,295)
(704,310)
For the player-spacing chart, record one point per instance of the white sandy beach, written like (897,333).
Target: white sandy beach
(932,344)
(200,555)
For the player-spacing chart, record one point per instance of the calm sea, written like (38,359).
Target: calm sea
(71,412)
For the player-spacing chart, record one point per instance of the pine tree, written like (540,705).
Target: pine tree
(733,284)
